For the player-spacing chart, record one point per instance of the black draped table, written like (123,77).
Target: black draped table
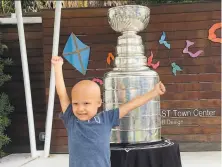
(159,154)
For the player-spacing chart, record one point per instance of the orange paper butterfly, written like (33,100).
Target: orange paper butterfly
(109,57)
(212,35)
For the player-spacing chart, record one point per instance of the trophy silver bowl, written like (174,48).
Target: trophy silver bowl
(132,77)
(129,18)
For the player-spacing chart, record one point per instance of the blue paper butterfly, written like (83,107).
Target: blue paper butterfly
(162,40)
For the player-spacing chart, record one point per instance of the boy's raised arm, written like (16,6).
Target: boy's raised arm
(59,82)
(141,100)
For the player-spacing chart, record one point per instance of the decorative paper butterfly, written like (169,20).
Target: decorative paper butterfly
(97,80)
(149,63)
(162,40)
(212,35)
(185,50)
(175,68)
(109,57)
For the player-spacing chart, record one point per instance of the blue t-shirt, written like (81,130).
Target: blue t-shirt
(89,141)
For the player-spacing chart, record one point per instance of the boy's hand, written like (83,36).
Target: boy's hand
(160,88)
(57,61)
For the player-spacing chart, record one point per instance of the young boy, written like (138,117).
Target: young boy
(89,131)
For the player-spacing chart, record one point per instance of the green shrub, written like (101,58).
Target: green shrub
(5,107)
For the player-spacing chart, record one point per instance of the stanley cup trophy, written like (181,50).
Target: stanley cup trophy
(131,77)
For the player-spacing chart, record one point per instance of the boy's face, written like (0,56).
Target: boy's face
(85,109)
(85,102)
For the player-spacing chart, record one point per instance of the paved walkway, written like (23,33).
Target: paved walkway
(189,159)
